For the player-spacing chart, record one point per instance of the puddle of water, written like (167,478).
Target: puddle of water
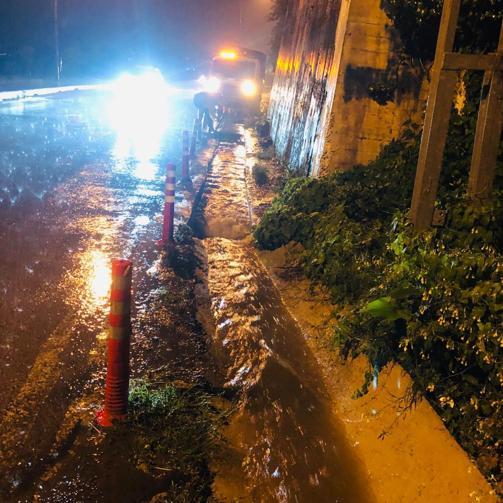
(285,439)
(55,265)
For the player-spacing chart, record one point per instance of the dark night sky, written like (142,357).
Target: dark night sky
(98,38)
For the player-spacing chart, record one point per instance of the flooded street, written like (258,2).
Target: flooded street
(79,185)
(285,443)
(285,439)
(77,192)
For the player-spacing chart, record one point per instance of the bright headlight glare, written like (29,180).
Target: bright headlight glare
(212,85)
(249,88)
(139,104)
(134,87)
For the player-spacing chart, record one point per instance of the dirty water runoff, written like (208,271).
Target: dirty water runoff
(77,190)
(285,444)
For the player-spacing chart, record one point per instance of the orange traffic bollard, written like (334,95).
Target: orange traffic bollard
(118,342)
(169,206)
(186,156)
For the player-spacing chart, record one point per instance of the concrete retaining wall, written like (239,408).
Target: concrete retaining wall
(341,91)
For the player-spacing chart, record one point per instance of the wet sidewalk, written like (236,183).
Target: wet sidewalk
(285,445)
(297,434)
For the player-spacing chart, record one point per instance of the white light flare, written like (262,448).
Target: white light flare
(138,111)
(210,84)
(249,88)
(99,277)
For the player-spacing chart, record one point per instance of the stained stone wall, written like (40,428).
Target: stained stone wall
(342,89)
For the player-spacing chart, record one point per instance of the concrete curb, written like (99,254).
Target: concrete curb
(46,91)
(196,201)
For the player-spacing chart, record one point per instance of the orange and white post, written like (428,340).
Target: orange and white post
(169,206)
(118,344)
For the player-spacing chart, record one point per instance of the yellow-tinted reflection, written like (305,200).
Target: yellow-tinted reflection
(99,277)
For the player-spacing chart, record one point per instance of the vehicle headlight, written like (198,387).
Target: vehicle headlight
(212,85)
(248,88)
(139,100)
(150,85)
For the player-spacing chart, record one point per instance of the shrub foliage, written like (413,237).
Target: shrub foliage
(417,22)
(431,301)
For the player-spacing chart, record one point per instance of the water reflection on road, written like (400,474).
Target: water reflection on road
(75,192)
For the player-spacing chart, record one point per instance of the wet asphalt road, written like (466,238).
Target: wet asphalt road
(81,182)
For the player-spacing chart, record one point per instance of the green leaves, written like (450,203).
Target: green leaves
(448,288)
(431,301)
(390,308)
(417,22)
(382,308)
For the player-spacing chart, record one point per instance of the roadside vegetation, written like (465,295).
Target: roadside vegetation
(417,24)
(170,434)
(432,302)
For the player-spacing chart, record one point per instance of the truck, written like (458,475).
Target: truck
(236,79)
